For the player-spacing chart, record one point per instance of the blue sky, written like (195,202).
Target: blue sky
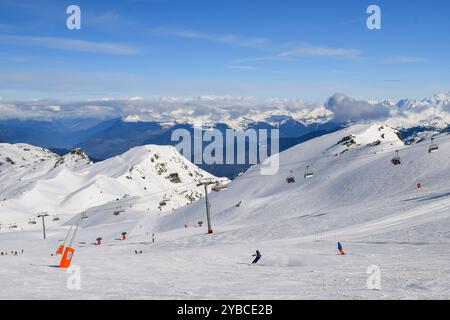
(304,49)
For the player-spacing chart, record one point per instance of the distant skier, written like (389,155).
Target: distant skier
(257,256)
(341,249)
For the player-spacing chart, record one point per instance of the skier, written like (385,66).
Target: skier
(341,249)
(257,256)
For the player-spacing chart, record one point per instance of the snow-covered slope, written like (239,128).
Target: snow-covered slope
(393,217)
(36,180)
(354,182)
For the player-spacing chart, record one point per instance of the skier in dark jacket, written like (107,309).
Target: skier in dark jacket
(341,249)
(257,256)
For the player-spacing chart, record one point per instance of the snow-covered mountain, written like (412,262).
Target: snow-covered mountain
(393,217)
(36,180)
(134,122)
(430,112)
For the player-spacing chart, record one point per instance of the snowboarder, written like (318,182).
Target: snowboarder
(341,249)
(257,256)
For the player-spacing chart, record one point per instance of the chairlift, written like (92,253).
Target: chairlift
(290,178)
(433,147)
(32,221)
(56,218)
(164,201)
(118,211)
(13,226)
(308,174)
(396,160)
(217,187)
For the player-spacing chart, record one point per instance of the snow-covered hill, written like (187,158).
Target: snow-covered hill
(36,180)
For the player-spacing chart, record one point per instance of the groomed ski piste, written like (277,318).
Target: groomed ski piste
(395,217)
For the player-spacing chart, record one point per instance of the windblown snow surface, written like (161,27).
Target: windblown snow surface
(357,196)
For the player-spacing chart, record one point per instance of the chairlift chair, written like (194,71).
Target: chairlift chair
(433,147)
(118,211)
(290,178)
(217,187)
(32,222)
(396,160)
(55,218)
(308,174)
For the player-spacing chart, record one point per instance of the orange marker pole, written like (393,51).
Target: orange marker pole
(60,250)
(67,258)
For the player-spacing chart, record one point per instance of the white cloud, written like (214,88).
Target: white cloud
(346,108)
(286,51)
(137,98)
(314,51)
(234,110)
(71,45)
(54,108)
(230,39)
(403,59)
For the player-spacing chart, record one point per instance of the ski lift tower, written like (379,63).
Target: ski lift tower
(208,205)
(43,215)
